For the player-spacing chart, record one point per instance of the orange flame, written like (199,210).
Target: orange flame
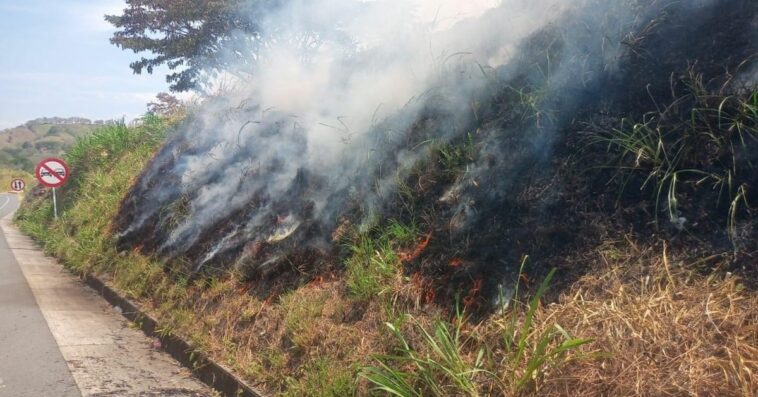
(412,255)
(473,293)
(429,295)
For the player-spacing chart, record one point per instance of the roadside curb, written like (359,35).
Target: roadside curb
(206,370)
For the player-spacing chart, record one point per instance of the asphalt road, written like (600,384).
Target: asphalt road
(31,364)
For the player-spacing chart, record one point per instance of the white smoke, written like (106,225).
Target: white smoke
(331,90)
(331,71)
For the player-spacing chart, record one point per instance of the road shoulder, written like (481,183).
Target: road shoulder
(104,354)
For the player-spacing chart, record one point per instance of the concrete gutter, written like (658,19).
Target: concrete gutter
(204,368)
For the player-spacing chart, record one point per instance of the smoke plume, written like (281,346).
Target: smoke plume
(344,100)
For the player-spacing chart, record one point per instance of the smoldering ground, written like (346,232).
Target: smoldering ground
(339,119)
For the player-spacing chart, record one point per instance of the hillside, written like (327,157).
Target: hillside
(568,209)
(22,147)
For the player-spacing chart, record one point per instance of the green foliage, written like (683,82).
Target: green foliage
(369,267)
(17,158)
(448,363)
(441,371)
(95,150)
(453,157)
(374,259)
(700,143)
(24,146)
(187,35)
(90,199)
(516,341)
(323,377)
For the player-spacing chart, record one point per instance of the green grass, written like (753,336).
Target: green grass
(301,315)
(322,377)
(701,142)
(453,157)
(516,341)
(374,259)
(441,371)
(443,363)
(91,198)
(372,264)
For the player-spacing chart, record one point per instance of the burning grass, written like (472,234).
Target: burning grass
(642,321)
(485,166)
(415,295)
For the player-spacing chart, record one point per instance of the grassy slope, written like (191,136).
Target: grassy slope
(658,328)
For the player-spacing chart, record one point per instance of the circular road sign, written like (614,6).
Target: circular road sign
(18,185)
(52,172)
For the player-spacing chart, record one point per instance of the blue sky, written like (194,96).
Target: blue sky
(56,60)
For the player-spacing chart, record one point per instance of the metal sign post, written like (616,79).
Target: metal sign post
(55,205)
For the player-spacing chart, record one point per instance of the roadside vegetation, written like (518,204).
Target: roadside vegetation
(643,321)
(694,156)
(599,240)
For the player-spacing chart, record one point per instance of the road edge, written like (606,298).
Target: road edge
(203,367)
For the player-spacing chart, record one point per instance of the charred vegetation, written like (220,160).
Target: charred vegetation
(576,138)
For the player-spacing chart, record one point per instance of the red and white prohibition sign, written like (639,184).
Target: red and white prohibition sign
(52,172)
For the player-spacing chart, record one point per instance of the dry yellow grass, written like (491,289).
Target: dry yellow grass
(659,329)
(667,330)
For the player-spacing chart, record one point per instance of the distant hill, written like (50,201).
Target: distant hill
(23,146)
